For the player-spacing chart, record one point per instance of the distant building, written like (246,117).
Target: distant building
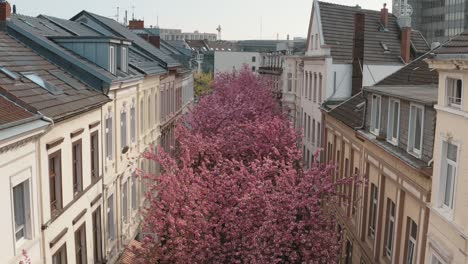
(228,61)
(177,34)
(437,20)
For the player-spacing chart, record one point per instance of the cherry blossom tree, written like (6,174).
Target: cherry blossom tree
(236,191)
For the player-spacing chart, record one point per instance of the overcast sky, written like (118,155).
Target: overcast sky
(239,19)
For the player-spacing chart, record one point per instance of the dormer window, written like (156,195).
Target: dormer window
(393,127)
(112,63)
(454,92)
(415,140)
(376,114)
(124,60)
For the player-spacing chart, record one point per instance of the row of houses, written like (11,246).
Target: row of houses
(383,104)
(80,101)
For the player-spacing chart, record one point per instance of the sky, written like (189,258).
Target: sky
(239,19)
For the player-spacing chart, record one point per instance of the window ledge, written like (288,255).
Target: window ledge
(451,110)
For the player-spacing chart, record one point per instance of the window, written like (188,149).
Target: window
(373,210)
(449,173)
(313,131)
(349,252)
(319,134)
(132,123)
(149,111)
(110,218)
(77,166)
(375,114)
(454,92)
(123,129)
(124,65)
(94,155)
(290,82)
(416,129)
(393,121)
(253,68)
(22,211)
(334,83)
(125,201)
(254,59)
(112,59)
(316,41)
(97,240)
(142,117)
(43,84)
(310,86)
(55,182)
(134,192)
(320,88)
(390,228)
(315,87)
(355,194)
(411,242)
(80,245)
(312,42)
(60,256)
(308,128)
(109,141)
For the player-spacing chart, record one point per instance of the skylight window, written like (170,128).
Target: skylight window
(42,83)
(385,47)
(9,73)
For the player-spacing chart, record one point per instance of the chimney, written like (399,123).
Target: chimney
(155,40)
(406,44)
(358,52)
(384,16)
(136,24)
(5,10)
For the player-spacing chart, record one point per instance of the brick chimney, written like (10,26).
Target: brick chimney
(155,40)
(358,52)
(136,24)
(384,16)
(406,44)
(5,10)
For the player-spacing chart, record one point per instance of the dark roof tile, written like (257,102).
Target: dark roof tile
(11,112)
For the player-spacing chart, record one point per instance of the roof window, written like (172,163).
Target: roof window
(9,73)
(42,83)
(385,47)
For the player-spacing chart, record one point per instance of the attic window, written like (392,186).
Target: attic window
(42,83)
(9,73)
(385,47)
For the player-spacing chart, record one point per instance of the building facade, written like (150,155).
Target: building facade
(385,136)
(447,236)
(20,130)
(348,48)
(228,61)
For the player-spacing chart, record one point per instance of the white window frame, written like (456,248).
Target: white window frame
(111,224)
(373,210)
(376,130)
(390,139)
(439,259)
(411,241)
(123,129)
(444,162)
(124,61)
(125,201)
(133,122)
(109,136)
(390,232)
(112,63)
(415,152)
(448,98)
(22,178)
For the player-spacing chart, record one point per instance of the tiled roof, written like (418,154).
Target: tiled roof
(457,45)
(18,59)
(338,29)
(41,28)
(12,113)
(419,42)
(415,73)
(128,257)
(121,31)
(351,111)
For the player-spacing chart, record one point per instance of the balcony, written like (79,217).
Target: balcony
(270,70)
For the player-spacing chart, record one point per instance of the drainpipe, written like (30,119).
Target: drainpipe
(39,182)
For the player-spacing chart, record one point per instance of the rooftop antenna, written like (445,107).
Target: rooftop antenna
(126,18)
(117,15)
(133,12)
(157,21)
(219,32)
